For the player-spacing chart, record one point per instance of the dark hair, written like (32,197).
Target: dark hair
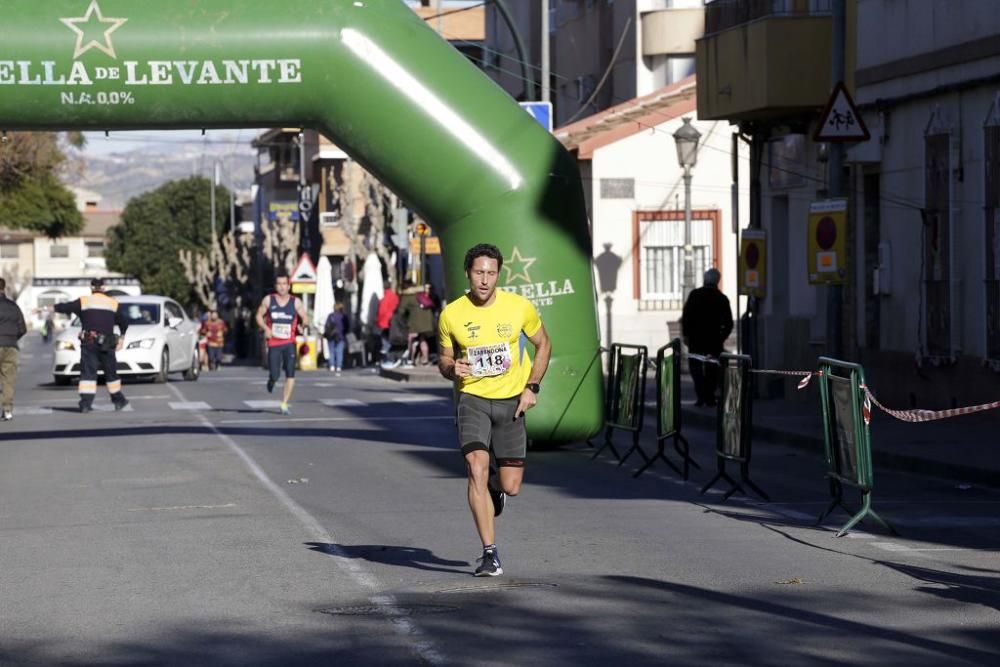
(280,274)
(483,250)
(96,283)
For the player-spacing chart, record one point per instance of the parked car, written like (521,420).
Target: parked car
(160,339)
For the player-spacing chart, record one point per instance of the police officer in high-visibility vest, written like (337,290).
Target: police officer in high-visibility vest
(98,314)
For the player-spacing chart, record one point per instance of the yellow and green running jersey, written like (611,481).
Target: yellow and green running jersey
(490,338)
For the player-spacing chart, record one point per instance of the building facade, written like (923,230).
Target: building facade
(635,198)
(601,53)
(919,303)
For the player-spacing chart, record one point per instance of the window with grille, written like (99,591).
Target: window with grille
(58,251)
(661,247)
(937,237)
(9,251)
(992,245)
(95,248)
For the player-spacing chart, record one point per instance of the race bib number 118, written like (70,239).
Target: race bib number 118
(489,360)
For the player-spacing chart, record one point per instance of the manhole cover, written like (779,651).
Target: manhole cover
(373,610)
(497,587)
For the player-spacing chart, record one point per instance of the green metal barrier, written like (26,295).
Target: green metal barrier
(381,84)
(626,398)
(668,410)
(734,425)
(846,439)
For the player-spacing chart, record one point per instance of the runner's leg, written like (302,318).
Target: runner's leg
(474,436)
(510,445)
(288,361)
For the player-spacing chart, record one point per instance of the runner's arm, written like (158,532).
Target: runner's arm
(451,368)
(543,351)
(300,308)
(261,311)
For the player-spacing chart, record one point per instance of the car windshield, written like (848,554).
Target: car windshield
(141,313)
(135,313)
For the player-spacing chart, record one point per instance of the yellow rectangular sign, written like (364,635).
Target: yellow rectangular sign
(826,242)
(753,263)
(432,245)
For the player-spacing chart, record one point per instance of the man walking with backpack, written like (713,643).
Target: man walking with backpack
(12,328)
(335,333)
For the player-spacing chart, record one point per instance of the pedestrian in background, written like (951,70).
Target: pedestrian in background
(48,326)
(335,332)
(418,305)
(12,328)
(99,314)
(383,320)
(214,331)
(706,322)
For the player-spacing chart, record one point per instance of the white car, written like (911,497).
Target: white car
(160,339)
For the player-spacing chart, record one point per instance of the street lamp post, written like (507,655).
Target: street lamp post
(686,138)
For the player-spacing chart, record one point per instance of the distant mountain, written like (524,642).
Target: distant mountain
(119,176)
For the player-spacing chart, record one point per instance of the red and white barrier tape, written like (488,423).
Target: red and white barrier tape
(918,415)
(803,383)
(914,416)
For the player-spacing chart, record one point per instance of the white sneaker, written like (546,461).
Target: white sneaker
(7,416)
(331,369)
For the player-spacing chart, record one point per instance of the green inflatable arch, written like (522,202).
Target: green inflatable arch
(371,76)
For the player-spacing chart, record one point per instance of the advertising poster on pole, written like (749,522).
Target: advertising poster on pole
(827,242)
(753,263)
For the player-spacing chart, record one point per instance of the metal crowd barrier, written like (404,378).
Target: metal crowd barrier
(846,439)
(734,425)
(625,398)
(668,410)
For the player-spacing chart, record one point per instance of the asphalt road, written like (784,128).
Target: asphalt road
(202,527)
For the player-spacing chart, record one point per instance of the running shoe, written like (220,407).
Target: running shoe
(85,408)
(498,497)
(489,564)
(270,385)
(7,416)
(285,409)
(122,405)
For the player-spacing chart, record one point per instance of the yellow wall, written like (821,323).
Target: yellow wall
(766,68)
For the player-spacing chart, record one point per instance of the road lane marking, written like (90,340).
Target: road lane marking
(342,402)
(387,604)
(181,507)
(418,398)
(189,405)
(892,546)
(107,407)
(262,405)
(278,420)
(31,410)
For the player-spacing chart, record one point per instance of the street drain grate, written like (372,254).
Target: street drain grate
(406,610)
(498,587)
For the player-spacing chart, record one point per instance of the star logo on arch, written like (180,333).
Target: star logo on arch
(93,31)
(522,264)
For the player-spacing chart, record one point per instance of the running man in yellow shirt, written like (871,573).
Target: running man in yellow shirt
(497,385)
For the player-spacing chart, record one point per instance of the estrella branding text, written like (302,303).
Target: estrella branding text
(154,73)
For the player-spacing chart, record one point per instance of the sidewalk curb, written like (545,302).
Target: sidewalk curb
(881,459)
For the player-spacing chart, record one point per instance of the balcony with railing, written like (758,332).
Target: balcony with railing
(723,14)
(763,59)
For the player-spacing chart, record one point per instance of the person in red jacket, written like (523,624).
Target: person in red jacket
(386,309)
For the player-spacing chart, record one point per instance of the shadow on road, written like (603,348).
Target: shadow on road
(412,557)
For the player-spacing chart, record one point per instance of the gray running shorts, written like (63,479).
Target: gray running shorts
(485,423)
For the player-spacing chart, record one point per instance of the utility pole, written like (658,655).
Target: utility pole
(212,186)
(546,93)
(835,182)
(305,196)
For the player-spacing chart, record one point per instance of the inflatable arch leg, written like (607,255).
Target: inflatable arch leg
(375,79)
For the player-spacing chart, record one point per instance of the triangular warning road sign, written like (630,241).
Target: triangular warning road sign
(305,270)
(840,120)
